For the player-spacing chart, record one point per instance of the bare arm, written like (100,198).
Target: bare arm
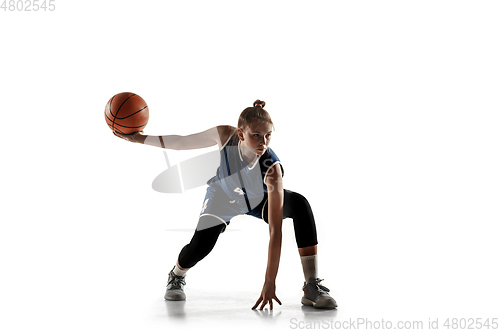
(274,182)
(211,137)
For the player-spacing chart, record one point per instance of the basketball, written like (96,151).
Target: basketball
(126,113)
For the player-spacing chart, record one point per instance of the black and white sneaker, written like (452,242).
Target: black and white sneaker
(175,289)
(317,295)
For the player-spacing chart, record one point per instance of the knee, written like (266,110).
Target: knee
(209,221)
(296,204)
(297,200)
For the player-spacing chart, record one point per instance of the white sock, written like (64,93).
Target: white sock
(178,271)
(309,266)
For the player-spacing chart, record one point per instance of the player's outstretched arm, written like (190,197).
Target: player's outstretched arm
(208,138)
(274,182)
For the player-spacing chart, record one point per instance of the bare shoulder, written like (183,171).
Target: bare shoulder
(225,132)
(274,175)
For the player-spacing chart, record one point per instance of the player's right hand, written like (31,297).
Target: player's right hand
(133,137)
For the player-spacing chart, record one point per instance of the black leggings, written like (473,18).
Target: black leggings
(295,206)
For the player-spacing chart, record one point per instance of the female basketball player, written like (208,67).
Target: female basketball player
(248,181)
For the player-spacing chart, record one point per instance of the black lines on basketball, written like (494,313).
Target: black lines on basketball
(143,125)
(133,111)
(114,115)
(107,117)
(116,129)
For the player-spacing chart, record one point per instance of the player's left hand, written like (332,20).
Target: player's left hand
(267,295)
(137,137)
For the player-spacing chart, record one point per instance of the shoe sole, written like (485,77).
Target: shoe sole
(327,304)
(175,296)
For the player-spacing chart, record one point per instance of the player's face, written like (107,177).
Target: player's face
(256,136)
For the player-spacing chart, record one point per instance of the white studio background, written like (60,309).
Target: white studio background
(386,114)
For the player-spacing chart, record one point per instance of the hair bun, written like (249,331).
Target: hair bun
(259,102)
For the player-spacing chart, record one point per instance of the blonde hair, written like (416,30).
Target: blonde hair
(254,114)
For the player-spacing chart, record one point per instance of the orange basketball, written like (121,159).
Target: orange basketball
(126,113)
